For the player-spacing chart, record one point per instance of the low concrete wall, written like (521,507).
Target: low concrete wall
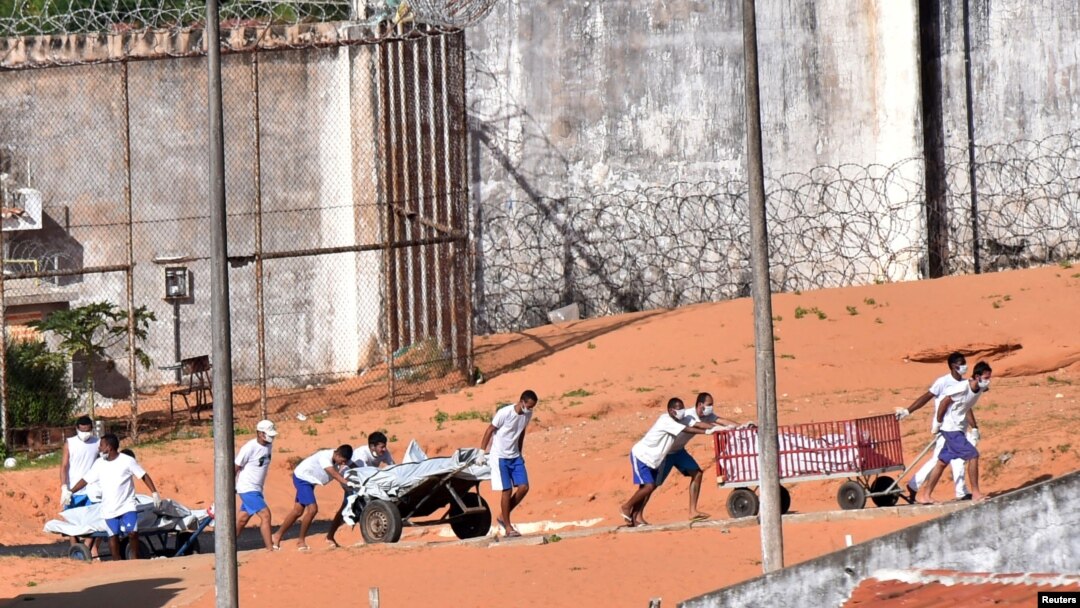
(1030,530)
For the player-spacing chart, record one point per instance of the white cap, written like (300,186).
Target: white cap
(265,426)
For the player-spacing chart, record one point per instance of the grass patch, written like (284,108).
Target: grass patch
(440,417)
(695,375)
(869,301)
(552,538)
(851,310)
(879,321)
(574,403)
(777,318)
(1054,380)
(1066,264)
(785,356)
(590,346)
(578,392)
(1064,448)
(472,415)
(801,312)
(310,430)
(644,389)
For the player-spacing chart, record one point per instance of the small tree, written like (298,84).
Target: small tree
(38,392)
(90,331)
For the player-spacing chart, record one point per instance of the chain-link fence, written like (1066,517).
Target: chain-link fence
(833,226)
(348,232)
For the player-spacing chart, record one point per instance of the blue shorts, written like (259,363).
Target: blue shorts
(125,524)
(79,500)
(642,474)
(681,460)
(956,447)
(509,473)
(305,491)
(252,502)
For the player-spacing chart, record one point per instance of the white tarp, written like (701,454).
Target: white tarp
(398,480)
(86,521)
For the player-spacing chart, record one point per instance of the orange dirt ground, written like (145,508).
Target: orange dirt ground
(602,383)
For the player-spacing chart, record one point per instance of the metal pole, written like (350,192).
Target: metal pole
(224,482)
(260,311)
(969,99)
(4,429)
(772,542)
(129,279)
(176,339)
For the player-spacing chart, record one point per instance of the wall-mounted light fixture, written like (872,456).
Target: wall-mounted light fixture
(177,283)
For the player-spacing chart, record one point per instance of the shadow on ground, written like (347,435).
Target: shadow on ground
(147,593)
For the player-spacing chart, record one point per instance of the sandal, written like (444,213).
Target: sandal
(303,548)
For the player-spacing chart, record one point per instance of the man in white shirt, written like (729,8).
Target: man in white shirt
(315,470)
(505,437)
(80,453)
(648,454)
(374,454)
(116,472)
(679,458)
(952,416)
(937,391)
(252,463)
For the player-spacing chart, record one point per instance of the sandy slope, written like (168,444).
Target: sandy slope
(601,384)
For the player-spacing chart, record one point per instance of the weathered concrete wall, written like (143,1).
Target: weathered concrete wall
(1028,531)
(318,190)
(582,109)
(596,96)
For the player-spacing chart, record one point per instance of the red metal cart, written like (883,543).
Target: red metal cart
(860,450)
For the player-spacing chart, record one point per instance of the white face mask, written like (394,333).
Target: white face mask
(707,410)
(984,384)
(961,369)
(84,436)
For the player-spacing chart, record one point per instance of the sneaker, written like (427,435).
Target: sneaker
(965,497)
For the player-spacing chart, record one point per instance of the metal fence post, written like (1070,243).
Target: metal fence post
(4,429)
(260,311)
(972,173)
(129,280)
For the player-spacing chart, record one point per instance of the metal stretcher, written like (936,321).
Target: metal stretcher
(169,531)
(383,501)
(861,451)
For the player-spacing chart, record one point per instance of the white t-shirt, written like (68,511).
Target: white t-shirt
(363,457)
(117,480)
(963,399)
(81,456)
(657,442)
(689,417)
(940,389)
(313,468)
(510,425)
(254,462)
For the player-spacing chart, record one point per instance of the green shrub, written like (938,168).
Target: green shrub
(37,386)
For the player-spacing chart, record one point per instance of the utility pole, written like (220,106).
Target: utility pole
(225,573)
(772,539)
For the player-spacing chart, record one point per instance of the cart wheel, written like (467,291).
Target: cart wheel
(785,500)
(880,485)
(145,551)
(851,495)
(742,502)
(79,552)
(470,525)
(380,522)
(182,538)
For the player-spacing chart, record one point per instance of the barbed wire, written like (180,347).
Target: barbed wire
(38,33)
(663,247)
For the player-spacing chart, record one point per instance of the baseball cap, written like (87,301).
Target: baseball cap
(267,427)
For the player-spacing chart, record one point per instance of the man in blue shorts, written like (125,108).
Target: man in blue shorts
(952,414)
(252,463)
(701,416)
(116,473)
(315,470)
(506,438)
(648,454)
